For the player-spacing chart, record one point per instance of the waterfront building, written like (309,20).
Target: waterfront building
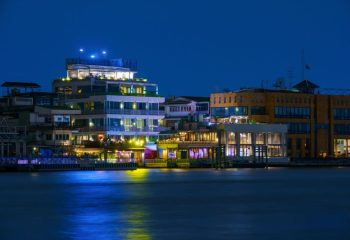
(318,124)
(12,140)
(186,112)
(228,141)
(116,107)
(39,123)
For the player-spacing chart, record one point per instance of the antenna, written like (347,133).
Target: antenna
(302,64)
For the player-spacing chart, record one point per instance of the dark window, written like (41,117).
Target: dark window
(298,128)
(258,110)
(342,129)
(292,112)
(342,113)
(229,111)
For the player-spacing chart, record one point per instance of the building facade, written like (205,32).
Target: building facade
(186,112)
(236,141)
(318,124)
(44,122)
(115,105)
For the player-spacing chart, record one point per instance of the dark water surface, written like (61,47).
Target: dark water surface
(277,203)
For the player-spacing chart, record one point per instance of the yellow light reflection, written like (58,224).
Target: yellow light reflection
(138,175)
(137,220)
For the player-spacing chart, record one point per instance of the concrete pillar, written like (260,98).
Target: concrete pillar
(226,143)
(24,149)
(266,140)
(8,149)
(2,150)
(18,149)
(284,144)
(238,144)
(253,143)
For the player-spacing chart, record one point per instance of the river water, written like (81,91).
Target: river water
(274,203)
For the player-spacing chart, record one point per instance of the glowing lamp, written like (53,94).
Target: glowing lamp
(92,56)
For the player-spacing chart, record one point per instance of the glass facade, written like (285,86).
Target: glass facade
(292,112)
(341,113)
(342,129)
(298,128)
(229,111)
(255,110)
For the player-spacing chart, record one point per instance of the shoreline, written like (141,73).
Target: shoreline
(134,166)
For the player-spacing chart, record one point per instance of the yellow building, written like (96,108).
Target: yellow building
(318,124)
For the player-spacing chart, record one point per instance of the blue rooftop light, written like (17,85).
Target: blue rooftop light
(104,52)
(92,56)
(81,50)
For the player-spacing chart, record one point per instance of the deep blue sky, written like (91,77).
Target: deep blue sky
(188,47)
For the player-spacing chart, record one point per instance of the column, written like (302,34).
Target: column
(284,144)
(24,149)
(226,142)
(253,143)
(2,150)
(18,149)
(238,144)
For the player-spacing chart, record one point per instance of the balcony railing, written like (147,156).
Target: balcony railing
(87,95)
(119,129)
(134,112)
(124,112)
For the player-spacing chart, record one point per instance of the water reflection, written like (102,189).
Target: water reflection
(137,219)
(187,204)
(138,175)
(105,207)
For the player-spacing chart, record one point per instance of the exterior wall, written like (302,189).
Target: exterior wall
(145,110)
(318,140)
(240,141)
(184,110)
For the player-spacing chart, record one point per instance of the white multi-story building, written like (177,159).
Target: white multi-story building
(186,112)
(114,104)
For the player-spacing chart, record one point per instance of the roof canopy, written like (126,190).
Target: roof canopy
(306,86)
(20,85)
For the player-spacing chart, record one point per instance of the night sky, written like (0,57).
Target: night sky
(188,47)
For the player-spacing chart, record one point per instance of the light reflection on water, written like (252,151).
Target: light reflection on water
(177,204)
(104,211)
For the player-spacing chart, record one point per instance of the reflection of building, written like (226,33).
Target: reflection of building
(318,124)
(186,113)
(115,106)
(238,141)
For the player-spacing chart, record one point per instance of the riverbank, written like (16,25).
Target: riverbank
(167,164)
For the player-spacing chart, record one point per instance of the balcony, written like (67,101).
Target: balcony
(125,112)
(119,129)
(87,95)
(135,112)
